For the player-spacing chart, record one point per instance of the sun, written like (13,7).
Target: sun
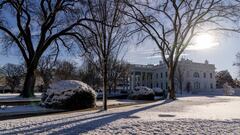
(203,41)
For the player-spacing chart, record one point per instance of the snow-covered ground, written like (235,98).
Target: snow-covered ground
(30,109)
(15,96)
(187,115)
(23,109)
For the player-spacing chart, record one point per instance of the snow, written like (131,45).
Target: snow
(24,109)
(157,90)
(228,90)
(30,109)
(62,90)
(187,115)
(141,90)
(65,85)
(16,96)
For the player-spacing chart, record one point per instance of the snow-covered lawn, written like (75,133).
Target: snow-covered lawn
(23,109)
(31,109)
(15,96)
(187,115)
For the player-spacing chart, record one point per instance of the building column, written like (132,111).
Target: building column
(133,77)
(141,82)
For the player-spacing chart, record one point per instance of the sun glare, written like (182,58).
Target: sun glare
(203,41)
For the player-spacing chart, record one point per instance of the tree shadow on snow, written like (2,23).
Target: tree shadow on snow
(82,125)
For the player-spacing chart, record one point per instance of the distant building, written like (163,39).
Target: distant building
(189,76)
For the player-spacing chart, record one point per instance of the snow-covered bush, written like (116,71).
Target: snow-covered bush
(69,94)
(228,90)
(158,91)
(142,93)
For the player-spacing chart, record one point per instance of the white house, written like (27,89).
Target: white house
(190,76)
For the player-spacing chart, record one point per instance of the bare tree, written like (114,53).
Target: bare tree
(172,24)
(105,41)
(237,83)
(45,70)
(223,77)
(180,76)
(119,71)
(33,26)
(13,74)
(89,74)
(65,70)
(237,63)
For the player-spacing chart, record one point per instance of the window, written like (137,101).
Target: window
(204,75)
(196,75)
(196,85)
(161,75)
(210,75)
(157,76)
(137,78)
(166,74)
(157,85)
(211,86)
(166,85)
(143,76)
(161,85)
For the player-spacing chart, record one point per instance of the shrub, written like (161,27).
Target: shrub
(70,95)
(142,93)
(228,90)
(158,91)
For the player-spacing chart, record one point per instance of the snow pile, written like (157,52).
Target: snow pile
(228,90)
(69,94)
(142,93)
(158,91)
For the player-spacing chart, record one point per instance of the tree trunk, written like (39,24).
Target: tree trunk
(12,89)
(171,87)
(181,87)
(105,85)
(29,83)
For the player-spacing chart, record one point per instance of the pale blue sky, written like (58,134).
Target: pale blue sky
(223,55)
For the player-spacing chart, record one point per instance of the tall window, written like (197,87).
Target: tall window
(196,75)
(161,74)
(166,74)
(196,85)
(210,75)
(143,76)
(204,75)
(211,86)
(157,76)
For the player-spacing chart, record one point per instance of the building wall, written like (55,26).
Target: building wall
(196,76)
(141,75)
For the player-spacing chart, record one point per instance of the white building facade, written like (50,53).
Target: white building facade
(189,76)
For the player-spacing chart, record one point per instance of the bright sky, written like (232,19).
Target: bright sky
(220,52)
